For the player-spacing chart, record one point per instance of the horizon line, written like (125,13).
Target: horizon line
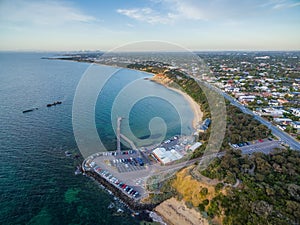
(149,51)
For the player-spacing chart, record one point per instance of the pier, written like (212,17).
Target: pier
(120,135)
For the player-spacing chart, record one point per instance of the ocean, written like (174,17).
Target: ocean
(38,184)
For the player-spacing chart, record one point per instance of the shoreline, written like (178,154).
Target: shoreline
(195,107)
(198,114)
(137,206)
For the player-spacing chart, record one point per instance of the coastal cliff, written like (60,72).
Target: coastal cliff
(162,79)
(176,212)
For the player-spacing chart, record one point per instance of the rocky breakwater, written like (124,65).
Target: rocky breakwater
(132,203)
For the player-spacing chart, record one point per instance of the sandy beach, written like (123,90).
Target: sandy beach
(198,114)
(175,212)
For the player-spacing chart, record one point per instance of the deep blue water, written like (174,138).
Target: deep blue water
(37,181)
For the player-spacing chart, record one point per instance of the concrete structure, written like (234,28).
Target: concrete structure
(284,121)
(296,125)
(164,156)
(195,146)
(247,98)
(295,112)
(272,112)
(119,136)
(204,126)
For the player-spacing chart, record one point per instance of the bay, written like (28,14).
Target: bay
(37,184)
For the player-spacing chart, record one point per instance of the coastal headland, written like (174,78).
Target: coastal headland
(204,192)
(109,169)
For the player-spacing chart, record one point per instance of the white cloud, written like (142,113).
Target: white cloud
(169,11)
(285,5)
(280,4)
(204,10)
(146,15)
(41,13)
(175,10)
(188,9)
(129,25)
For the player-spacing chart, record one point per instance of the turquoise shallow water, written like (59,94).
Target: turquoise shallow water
(37,181)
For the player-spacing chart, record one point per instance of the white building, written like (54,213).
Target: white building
(247,98)
(195,146)
(164,156)
(295,112)
(284,121)
(296,125)
(272,112)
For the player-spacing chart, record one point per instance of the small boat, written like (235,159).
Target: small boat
(76,156)
(111,205)
(120,210)
(78,170)
(30,110)
(134,214)
(54,103)
(68,154)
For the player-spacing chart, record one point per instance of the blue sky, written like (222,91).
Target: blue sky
(193,24)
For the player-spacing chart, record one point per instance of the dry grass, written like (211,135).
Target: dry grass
(190,188)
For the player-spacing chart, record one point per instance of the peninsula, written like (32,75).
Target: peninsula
(176,178)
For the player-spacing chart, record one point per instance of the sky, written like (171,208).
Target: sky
(59,25)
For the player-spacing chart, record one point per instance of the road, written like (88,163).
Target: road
(137,179)
(286,138)
(265,147)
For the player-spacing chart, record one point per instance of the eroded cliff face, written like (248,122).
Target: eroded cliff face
(176,212)
(162,79)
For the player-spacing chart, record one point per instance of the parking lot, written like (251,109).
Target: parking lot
(128,164)
(248,143)
(129,170)
(265,147)
(170,143)
(128,167)
(130,191)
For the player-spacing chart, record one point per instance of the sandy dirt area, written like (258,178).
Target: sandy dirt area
(175,212)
